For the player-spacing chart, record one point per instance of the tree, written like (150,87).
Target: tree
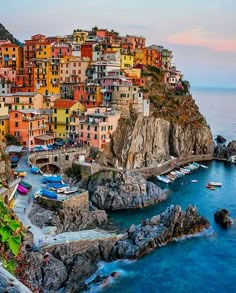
(186,86)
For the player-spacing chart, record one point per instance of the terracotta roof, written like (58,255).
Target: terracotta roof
(64,104)
(9,45)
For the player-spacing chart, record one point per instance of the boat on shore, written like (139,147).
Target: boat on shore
(25,184)
(49,193)
(215,184)
(21,189)
(51,178)
(35,169)
(70,190)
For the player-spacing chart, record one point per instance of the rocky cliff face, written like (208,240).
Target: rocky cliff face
(124,190)
(225,151)
(146,141)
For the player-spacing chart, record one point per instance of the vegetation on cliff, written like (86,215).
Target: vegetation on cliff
(6,35)
(172,104)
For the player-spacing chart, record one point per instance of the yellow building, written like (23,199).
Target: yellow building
(4,121)
(126,61)
(79,37)
(47,76)
(43,50)
(139,56)
(62,111)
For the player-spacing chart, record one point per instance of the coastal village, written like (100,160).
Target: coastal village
(64,100)
(74,87)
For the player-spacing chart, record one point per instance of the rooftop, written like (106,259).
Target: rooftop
(64,104)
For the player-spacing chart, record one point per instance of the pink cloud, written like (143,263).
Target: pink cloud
(197,37)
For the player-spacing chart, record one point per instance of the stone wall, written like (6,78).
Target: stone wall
(78,202)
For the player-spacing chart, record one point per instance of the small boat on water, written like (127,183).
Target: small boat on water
(204,166)
(25,184)
(171,177)
(215,184)
(163,179)
(21,189)
(49,193)
(194,181)
(210,187)
(22,174)
(70,190)
(185,171)
(35,169)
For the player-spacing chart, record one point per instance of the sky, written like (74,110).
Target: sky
(201,33)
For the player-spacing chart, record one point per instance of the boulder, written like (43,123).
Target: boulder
(222,218)
(124,190)
(232,148)
(220,139)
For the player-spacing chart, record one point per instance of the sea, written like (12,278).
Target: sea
(206,262)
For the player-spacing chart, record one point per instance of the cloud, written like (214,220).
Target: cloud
(200,38)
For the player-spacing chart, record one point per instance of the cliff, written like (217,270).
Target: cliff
(175,127)
(146,141)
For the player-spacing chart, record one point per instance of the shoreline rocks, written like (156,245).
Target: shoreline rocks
(123,190)
(159,230)
(225,151)
(222,218)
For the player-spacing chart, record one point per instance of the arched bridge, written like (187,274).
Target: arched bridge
(59,159)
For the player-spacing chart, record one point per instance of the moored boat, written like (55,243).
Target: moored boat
(210,187)
(25,184)
(22,174)
(215,184)
(14,159)
(204,166)
(185,171)
(21,189)
(163,179)
(171,177)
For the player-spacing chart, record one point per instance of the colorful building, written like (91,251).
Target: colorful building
(97,126)
(132,43)
(89,95)
(12,56)
(4,121)
(126,60)
(62,111)
(5,85)
(79,36)
(27,125)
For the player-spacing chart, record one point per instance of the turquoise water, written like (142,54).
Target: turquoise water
(201,264)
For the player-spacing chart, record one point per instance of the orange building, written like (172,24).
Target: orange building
(152,56)
(28,126)
(89,95)
(12,56)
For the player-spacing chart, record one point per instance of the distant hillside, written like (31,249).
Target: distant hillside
(6,35)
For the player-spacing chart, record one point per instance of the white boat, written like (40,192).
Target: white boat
(185,171)
(70,190)
(195,164)
(171,177)
(163,179)
(179,173)
(216,184)
(194,181)
(204,166)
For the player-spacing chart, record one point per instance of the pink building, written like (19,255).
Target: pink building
(97,126)
(59,50)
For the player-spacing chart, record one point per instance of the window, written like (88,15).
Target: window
(88,135)
(81,134)
(67,157)
(95,136)
(81,126)
(67,111)
(16,124)
(88,128)
(2,122)
(16,115)
(55,110)
(95,128)
(55,159)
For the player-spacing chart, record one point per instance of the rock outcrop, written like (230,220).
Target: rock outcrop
(159,230)
(222,218)
(146,141)
(225,152)
(67,219)
(220,139)
(123,190)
